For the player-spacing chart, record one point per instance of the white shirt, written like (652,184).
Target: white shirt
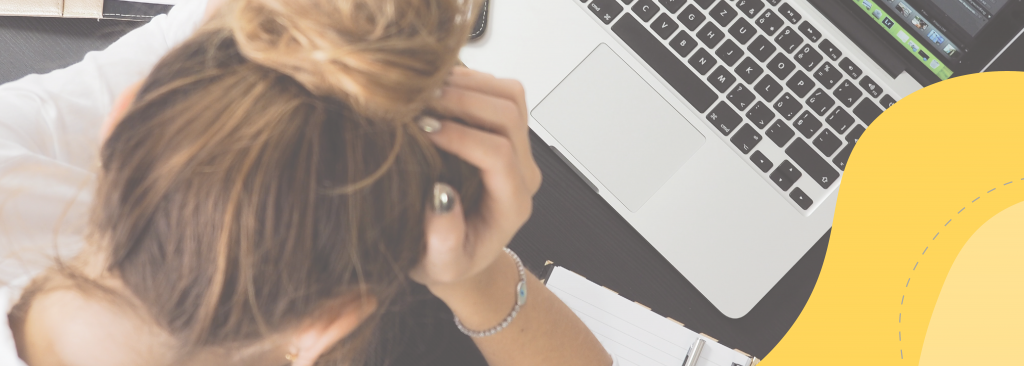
(49,146)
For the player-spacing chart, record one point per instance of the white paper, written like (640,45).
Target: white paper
(631,332)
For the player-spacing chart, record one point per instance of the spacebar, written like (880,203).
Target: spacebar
(665,63)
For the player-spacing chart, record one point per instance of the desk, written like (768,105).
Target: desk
(571,225)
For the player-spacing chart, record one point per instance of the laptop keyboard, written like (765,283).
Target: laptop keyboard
(774,87)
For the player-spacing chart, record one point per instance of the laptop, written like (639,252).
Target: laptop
(720,129)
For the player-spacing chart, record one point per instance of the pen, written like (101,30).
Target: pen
(694,353)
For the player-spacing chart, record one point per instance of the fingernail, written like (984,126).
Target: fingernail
(444,198)
(429,124)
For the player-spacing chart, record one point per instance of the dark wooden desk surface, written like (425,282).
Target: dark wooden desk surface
(571,226)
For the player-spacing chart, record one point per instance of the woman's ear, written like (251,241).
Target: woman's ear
(315,339)
(121,105)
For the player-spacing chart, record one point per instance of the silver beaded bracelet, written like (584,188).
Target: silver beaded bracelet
(520,300)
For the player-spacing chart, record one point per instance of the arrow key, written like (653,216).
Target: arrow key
(801,198)
(785,175)
(761,161)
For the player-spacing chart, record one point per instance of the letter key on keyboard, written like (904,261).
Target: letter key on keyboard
(665,63)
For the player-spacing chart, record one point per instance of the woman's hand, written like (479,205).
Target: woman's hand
(462,250)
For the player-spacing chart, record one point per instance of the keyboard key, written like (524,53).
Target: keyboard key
(768,88)
(855,134)
(672,6)
(788,106)
(827,142)
(820,102)
(840,120)
(704,4)
(812,33)
(702,61)
(774,2)
(828,75)
(606,10)
(749,70)
(867,111)
(683,44)
(781,66)
(843,156)
(769,22)
(724,118)
(723,13)
(800,84)
(801,199)
(761,161)
(742,31)
(789,40)
(746,138)
(785,175)
(750,8)
(830,50)
(721,79)
(741,97)
(761,48)
(847,93)
(819,170)
(760,115)
(729,52)
(887,101)
(664,26)
(780,133)
(710,35)
(691,17)
(788,12)
(646,9)
(850,68)
(650,49)
(871,87)
(807,124)
(808,57)
(627,2)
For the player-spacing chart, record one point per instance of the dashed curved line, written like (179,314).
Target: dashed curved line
(903,298)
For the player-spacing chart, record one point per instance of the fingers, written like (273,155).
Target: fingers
(485,111)
(495,105)
(488,84)
(491,153)
(445,235)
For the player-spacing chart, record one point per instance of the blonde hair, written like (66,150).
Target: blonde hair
(270,166)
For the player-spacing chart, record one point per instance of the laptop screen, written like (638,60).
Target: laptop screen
(969,15)
(938,33)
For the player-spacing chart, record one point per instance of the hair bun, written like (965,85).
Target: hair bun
(383,57)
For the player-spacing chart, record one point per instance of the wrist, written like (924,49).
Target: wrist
(485,299)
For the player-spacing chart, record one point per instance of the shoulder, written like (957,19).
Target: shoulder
(66,324)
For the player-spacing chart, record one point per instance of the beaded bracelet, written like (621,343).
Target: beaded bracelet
(520,300)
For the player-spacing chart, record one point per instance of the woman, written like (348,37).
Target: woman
(272,186)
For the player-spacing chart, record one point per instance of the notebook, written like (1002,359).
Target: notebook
(631,332)
(142,10)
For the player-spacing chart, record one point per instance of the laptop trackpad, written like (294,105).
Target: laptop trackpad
(618,127)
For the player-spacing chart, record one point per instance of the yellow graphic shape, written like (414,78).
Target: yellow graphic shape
(977,319)
(923,178)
